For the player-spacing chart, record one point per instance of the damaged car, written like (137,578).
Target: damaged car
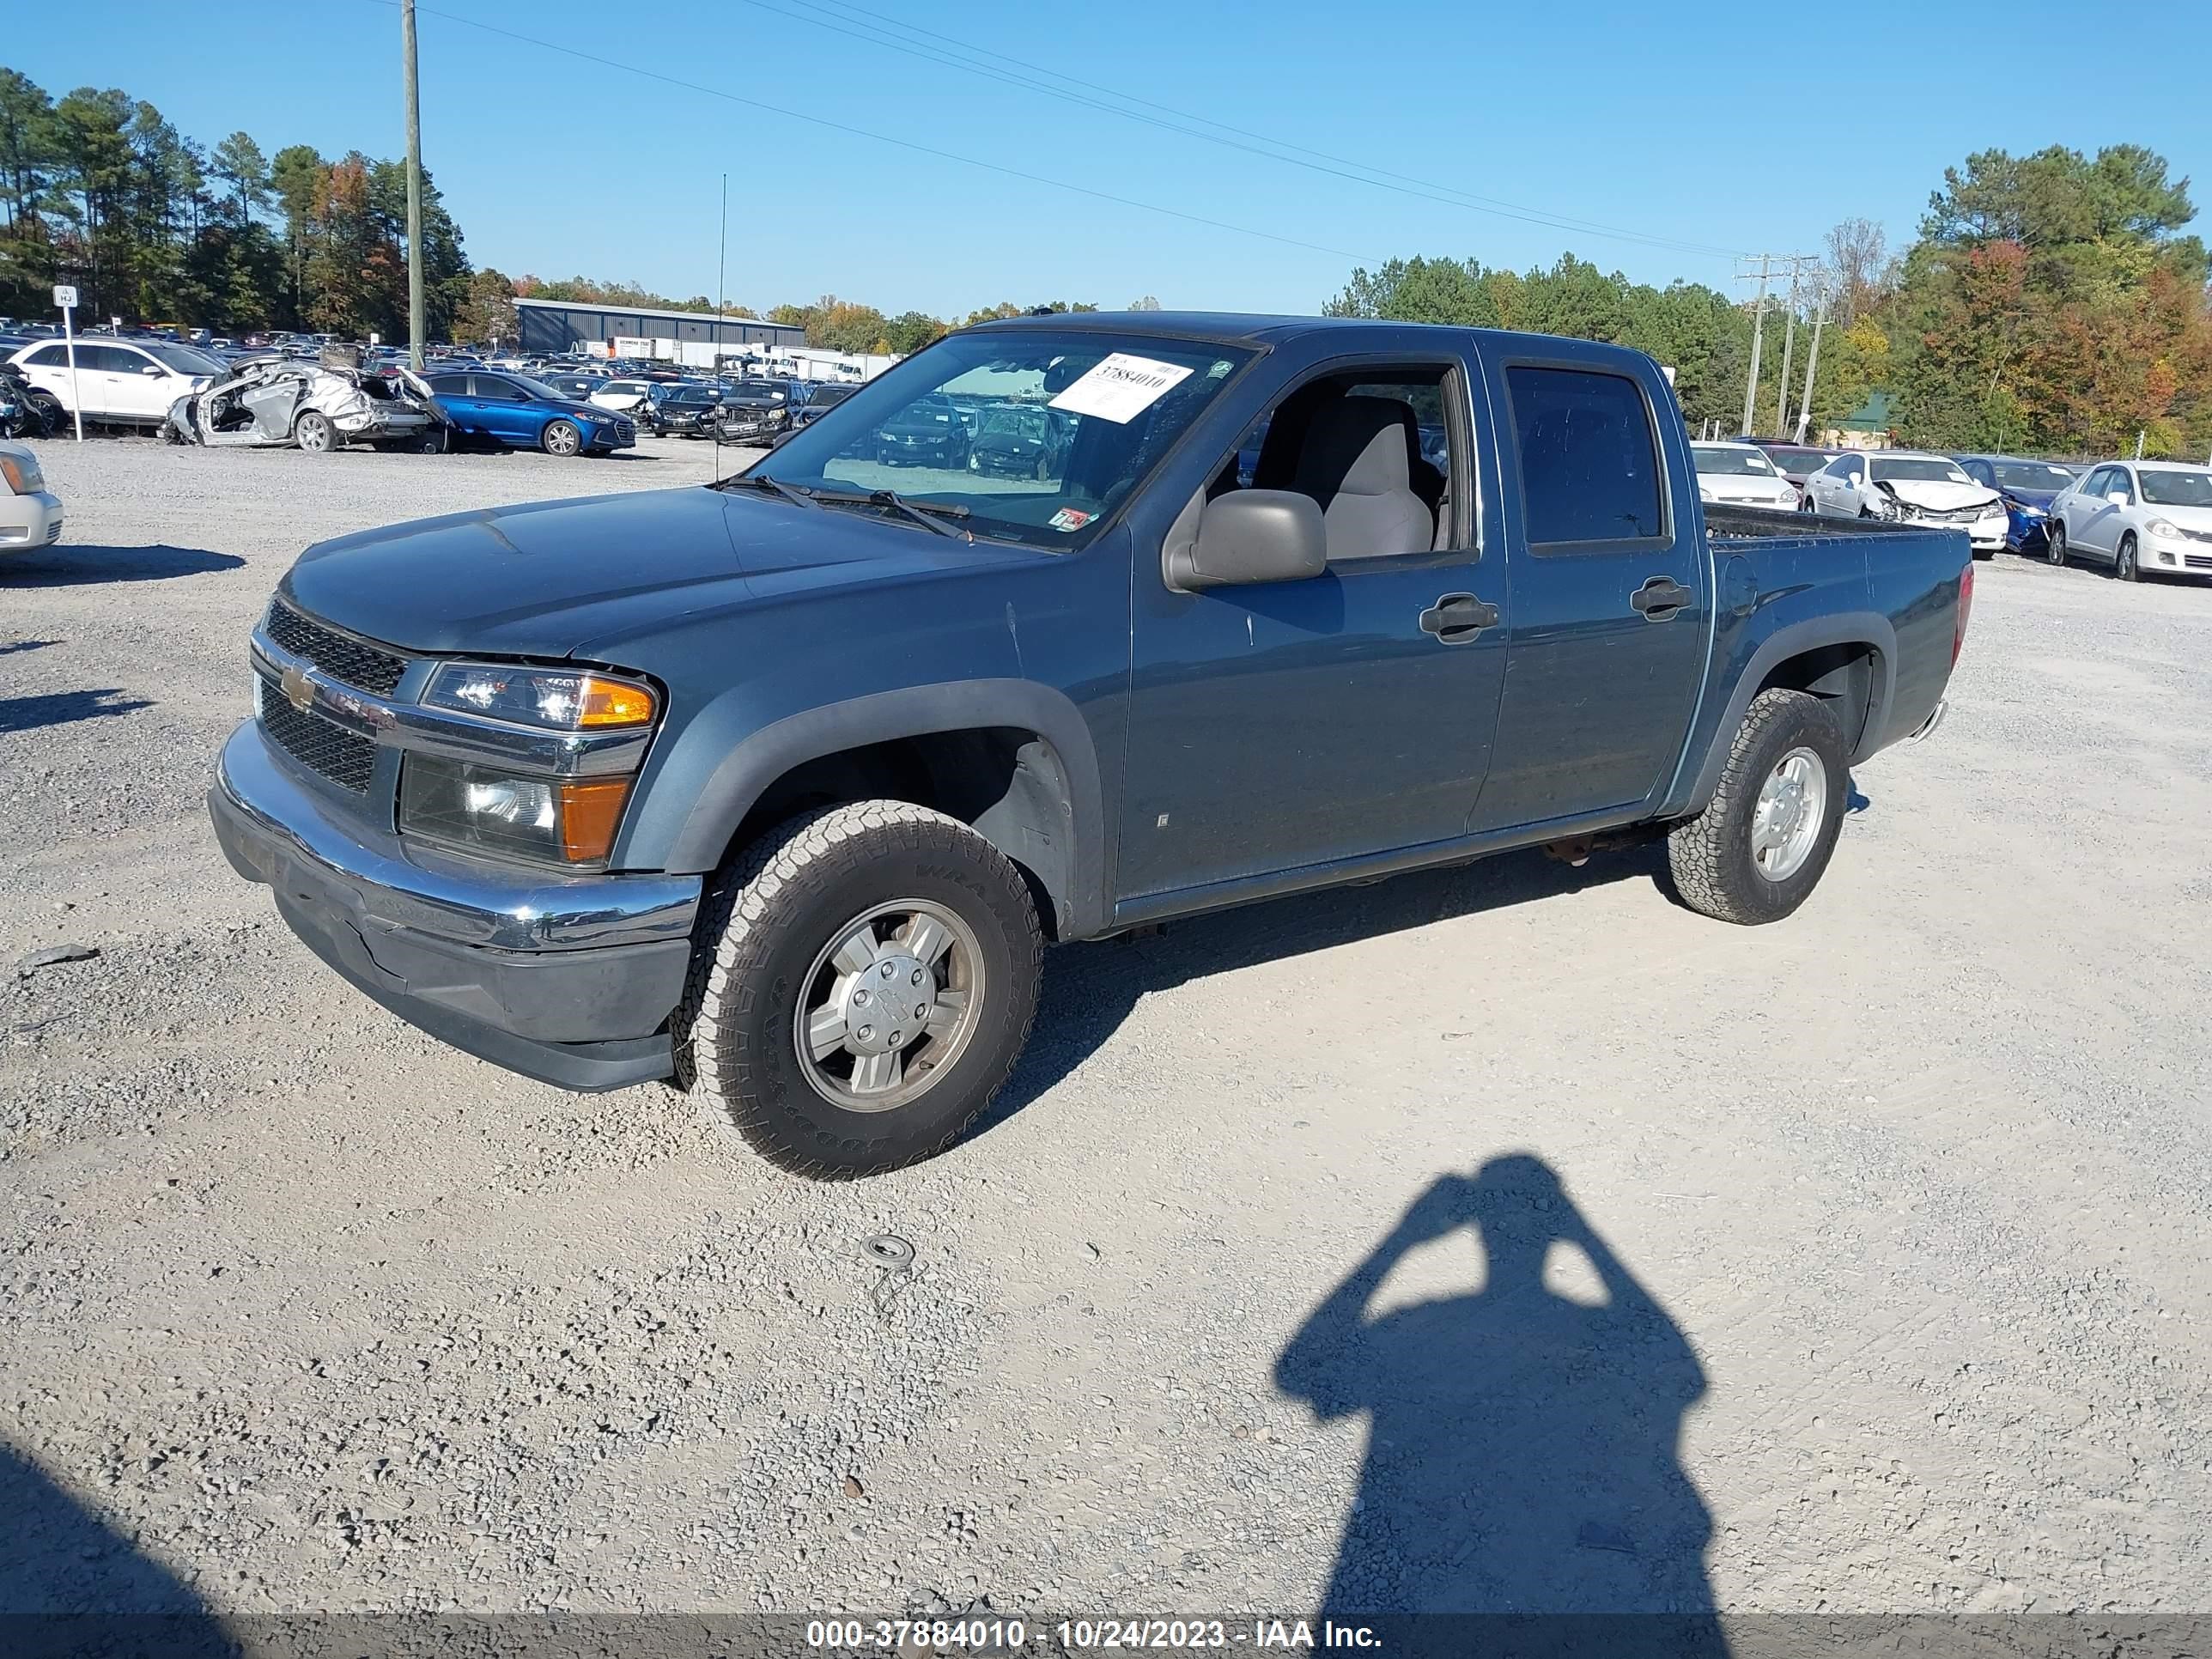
(272,402)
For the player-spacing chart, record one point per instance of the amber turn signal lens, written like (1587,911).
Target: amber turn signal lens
(612,702)
(590,808)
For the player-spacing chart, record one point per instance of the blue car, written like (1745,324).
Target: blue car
(518,412)
(2029,488)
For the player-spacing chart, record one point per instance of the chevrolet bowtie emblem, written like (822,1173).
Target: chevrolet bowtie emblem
(299,690)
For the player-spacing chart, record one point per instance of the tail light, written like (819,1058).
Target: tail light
(1966,609)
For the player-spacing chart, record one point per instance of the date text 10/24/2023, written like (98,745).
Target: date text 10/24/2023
(974,1635)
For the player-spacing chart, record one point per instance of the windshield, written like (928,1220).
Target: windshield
(1734,462)
(1918,469)
(755,394)
(2176,489)
(1126,399)
(537,388)
(187,360)
(2030,474)
(823,396)
(1014,423)
(1801,460)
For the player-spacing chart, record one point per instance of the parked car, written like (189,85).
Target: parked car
(574,384)
(1794,461)
(30,513)
(690,410)
(514,411)
(579,789)
(927,432)
(1907,487)
(821,396)
(2136,516)
(753,411)
(1742,474)
(1016,441)
(624,396)
(274,402)
(26,411)
(2027,487)
(122,382)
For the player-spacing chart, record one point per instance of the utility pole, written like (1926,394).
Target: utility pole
(1797,262)
(1758,330)
(1812,363)
(413,187)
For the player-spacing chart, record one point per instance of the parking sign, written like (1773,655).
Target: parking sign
(65,297)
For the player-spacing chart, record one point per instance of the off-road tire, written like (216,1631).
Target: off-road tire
(1710,854)
(779,903)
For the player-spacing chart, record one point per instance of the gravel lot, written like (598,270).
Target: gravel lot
(1901,1206)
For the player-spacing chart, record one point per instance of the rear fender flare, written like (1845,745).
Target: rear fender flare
(1864,627)
(740,779)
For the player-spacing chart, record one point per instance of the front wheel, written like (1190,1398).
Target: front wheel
(2054,541)
(866,982)
(315,434)
(562,438)
(1760,847)
(2123,562)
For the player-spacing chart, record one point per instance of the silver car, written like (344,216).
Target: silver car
(2137,516)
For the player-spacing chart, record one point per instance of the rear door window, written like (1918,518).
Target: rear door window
(1589,458)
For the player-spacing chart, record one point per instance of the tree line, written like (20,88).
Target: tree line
(2049,303)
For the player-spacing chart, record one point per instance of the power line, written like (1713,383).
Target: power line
(881,137)
(1059,86)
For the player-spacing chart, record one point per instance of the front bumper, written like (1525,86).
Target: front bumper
(608,434)
(2176,556)
(569,980)
(29,521)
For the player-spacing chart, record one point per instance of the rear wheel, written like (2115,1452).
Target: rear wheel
(2054,541)
(868,981)
(1761,845)
(562,438)
(315,434)
(2123,562)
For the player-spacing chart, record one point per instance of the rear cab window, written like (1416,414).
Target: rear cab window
(1588,455)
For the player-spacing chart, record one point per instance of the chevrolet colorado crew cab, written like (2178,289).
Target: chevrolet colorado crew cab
(777,788)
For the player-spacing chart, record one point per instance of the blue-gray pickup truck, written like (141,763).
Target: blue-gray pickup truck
(778,787)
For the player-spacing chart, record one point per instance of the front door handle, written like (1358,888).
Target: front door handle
(1458,617)
(1660,598)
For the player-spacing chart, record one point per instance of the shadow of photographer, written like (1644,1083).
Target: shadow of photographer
(1523,1456)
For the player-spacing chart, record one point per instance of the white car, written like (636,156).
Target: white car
(1907,487)
(30,513)
(1739,475)
(2137,516)
(623,397)
(122,381)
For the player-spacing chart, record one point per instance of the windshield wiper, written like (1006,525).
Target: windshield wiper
(762,481)
(928,515)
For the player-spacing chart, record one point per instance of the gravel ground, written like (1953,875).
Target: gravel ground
(1879,1270)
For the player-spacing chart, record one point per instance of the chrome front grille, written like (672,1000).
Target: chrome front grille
(341,656)
(330,751)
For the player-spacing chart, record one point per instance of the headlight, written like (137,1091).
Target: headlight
(568,821)
(557,698)
(23,476)
(2163,527)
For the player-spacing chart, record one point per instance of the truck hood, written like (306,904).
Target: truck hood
(548,578)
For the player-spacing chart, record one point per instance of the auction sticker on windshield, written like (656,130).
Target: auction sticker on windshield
(1069,518)
(1120,387)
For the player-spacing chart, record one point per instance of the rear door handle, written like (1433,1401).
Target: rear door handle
(1660,598)
(1457,618)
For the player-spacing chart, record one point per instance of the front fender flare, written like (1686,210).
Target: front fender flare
(730,791)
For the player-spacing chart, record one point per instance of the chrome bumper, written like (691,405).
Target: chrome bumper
(567,979)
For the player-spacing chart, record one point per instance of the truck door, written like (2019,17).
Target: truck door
(1282,724)
(1610,607)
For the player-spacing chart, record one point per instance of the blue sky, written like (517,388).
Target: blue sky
(1707,125)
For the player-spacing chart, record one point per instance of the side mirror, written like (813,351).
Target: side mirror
(1252,536)
(152,368)
(2117,498)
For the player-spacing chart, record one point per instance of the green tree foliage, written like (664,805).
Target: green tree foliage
(101,191)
